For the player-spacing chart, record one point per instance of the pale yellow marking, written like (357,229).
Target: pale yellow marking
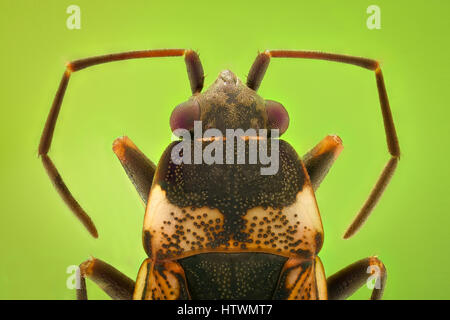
(299,281)
(159,286)
(292,277)
(321,280)
(140,280)
(307,210)
(303,210)
(166,285)
(159,211)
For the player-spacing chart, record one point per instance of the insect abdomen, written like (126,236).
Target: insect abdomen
(232,275)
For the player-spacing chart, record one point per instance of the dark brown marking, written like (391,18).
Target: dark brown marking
(232,275)
(373,198)
(195,71)
(147,243)
(147,277)
(92,61)
(304,266)
(257,71)
(65,194)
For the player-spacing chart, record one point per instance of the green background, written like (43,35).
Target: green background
(39,237)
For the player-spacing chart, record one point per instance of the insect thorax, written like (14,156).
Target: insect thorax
(197,208)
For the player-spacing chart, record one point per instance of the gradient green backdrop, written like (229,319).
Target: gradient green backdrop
(39,237)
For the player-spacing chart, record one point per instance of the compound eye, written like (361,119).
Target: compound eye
(277,116)
(184,115)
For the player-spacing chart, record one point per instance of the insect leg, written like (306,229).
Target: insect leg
(256,75)
(345,282)
(319,160)
(138,167)
(114,283)
(195,74)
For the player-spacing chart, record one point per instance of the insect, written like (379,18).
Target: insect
(224,231)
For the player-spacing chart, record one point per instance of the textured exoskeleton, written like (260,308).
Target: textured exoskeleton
(224,229)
